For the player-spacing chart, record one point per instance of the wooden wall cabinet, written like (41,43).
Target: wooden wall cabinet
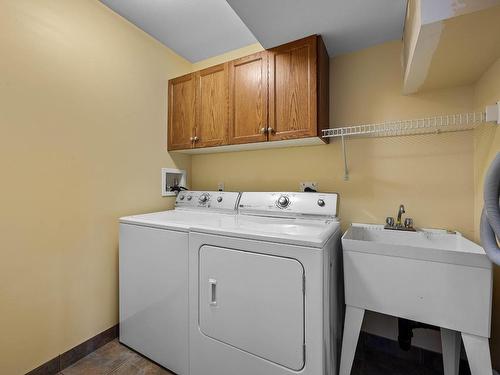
(298,89)
(198,107)
(277,95)
(292,90)
(248,99)
(212,106)
(181,112)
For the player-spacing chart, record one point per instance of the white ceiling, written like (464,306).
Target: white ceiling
(346,25)
(195,29)
(199,29)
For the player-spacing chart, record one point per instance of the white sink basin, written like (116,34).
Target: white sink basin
(431,276)
(424,244)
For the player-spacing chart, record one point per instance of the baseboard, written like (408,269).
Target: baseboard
(73,355)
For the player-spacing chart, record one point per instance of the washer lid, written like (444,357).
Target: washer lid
(290,230)
(191,208)
(176,219)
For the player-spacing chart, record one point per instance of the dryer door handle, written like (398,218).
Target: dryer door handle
(213,292)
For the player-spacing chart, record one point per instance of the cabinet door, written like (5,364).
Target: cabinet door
(248,99)
(292,90)
(181,112)
(212,106)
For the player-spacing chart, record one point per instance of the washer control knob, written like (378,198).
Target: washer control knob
(189,197)
(283,201)
(181,197)
(203,198)
(321,202)
(219,199)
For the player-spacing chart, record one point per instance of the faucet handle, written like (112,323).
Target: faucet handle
(389,221)
(408,222)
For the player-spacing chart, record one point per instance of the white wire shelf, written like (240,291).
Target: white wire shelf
(428,125)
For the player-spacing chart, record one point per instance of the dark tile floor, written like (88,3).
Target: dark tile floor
(116,359)
(380,363)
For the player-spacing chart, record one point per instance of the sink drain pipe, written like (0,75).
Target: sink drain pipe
(490,217)
(405,331)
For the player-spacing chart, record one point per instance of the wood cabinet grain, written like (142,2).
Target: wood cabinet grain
(281,94)
(248,99)
(181,112)
(212,106)
(292,90)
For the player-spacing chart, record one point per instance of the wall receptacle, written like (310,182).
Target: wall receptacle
(493,113)
(220,186)
(172,177)
(308,184)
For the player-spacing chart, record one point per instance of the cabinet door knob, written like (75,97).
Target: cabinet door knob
(263,130)
(196,139)
(270,130)
(191,139)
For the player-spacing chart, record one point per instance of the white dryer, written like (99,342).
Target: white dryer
(153,266)
(265,288)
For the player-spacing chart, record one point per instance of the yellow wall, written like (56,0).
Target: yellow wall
(472,42)
(82,141)
(486,146)
(447,44)
(228,56)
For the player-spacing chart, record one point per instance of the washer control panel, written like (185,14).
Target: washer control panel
(289,204)
(216,200)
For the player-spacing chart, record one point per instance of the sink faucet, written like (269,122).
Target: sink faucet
(398,225)
(401,211)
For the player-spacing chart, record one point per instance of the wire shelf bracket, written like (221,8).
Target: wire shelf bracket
(427,125)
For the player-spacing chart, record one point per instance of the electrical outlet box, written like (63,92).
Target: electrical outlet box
(220,186)
(493,113)
(172,177)
(308,184)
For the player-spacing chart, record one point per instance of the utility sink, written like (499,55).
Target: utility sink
(431,276)
(424,244)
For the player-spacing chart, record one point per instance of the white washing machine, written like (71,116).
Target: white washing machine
(265,288)
(153,266)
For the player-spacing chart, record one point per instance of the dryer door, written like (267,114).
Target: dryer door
(253,302)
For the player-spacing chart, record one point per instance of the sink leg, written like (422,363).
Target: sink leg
(352,326)
(478,354)
(450,343)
